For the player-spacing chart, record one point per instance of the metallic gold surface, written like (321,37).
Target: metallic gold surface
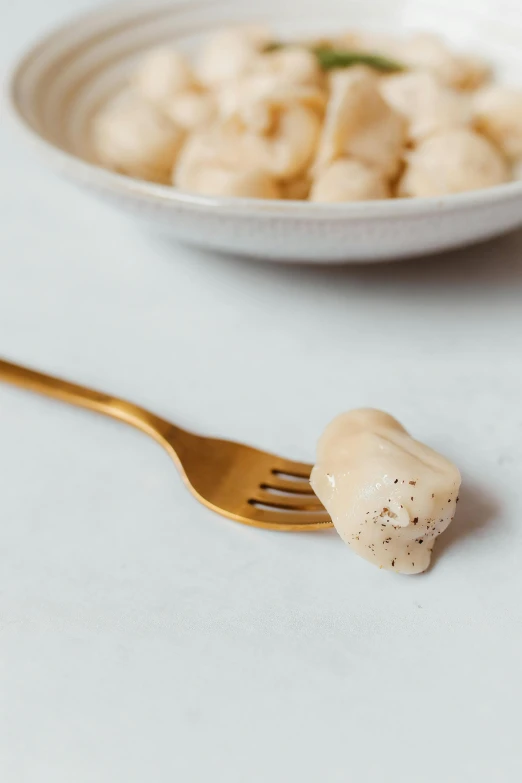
(236,481)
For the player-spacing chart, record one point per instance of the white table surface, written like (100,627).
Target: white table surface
(143,638)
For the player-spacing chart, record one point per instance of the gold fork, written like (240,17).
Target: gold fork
(237,481)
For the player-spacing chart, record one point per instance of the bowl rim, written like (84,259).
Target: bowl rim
(75,167)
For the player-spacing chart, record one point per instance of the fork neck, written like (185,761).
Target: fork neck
(81,396)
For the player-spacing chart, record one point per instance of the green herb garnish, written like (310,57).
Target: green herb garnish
(342,58)
(339,58)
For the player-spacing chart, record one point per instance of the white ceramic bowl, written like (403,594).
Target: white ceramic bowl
(60,84)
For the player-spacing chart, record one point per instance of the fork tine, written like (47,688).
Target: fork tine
(288,520)
(287,485)
(292,502)
(300,470)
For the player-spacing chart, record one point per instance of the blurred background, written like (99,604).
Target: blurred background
(142,638)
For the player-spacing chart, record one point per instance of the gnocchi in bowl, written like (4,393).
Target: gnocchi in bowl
(291,139)
(349,117)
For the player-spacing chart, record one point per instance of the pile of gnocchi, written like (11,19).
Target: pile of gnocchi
(352,118)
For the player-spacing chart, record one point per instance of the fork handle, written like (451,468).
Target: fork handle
(83,397)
